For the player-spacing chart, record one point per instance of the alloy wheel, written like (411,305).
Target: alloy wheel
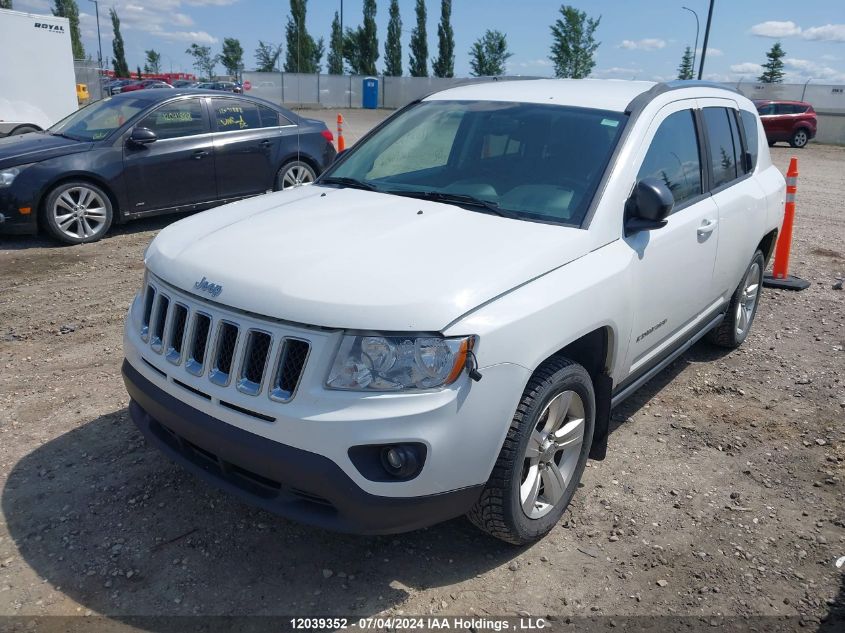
(80,212)
(296,176)
(748,299)
(551,456)
(800,138)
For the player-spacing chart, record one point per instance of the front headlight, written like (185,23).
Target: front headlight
(398,363)
(8,175)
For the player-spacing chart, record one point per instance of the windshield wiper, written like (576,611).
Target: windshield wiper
(67,136)
(352,183)
(485,206)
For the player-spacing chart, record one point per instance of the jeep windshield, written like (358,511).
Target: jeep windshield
(519,160)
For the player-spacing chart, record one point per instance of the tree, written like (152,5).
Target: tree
(267,56)
(444,65)
(153,62)
(393,44)
(68,9)
(303,52)
(204,61)
(334,60)
(489,54)
(121,68)
(360,46)
(773,69)
(574,44)
(418,60)
(685,70)
(5,4)
(232,56)
(138,74)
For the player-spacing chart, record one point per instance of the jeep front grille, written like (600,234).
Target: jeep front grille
(215,344)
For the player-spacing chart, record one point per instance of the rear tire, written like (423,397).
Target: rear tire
(294,174)
(543,456)
(736,325)
(800,138)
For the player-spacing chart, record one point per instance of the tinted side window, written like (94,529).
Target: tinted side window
(180,118)
(231,114)
(673,156)
(269,117)
(766,109)
(785,108)
(749,124)
(722,157)
(737,142)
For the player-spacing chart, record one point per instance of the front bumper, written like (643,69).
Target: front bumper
(12,221)
(284,480)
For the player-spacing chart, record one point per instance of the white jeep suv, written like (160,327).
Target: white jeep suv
(443,322)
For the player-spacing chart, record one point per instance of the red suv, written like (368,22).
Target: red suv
(792,121)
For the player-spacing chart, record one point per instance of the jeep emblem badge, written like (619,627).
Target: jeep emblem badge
(203,285)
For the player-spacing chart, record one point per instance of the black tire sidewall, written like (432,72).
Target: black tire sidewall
(574,378)
(49,221)
(291,163)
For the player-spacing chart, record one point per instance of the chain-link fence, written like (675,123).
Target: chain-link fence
(88,73)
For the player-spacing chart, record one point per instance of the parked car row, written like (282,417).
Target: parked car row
(118,86)
(147,152)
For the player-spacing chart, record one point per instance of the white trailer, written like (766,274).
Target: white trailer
(37,80)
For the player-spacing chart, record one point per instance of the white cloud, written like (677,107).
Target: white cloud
(776,29)
(200,37)
(648,44)
(617,72)
(803,69)
(746,68)
(711,52)
(826,33)
(541,62)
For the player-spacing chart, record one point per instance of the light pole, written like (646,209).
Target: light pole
(695,49)
(99,41)
(706,37)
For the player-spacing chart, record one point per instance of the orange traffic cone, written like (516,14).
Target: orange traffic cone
(341,144)
(780,277)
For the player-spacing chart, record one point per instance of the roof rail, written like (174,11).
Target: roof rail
(644,98)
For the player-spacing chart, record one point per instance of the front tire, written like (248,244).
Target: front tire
(800,138)
(294,174)
(77,212)
(736,325)
(543,456)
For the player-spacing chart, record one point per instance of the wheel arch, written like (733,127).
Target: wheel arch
(767,245)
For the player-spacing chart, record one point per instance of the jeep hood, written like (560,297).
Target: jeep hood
(354,259)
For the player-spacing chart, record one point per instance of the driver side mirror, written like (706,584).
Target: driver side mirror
(649,206)
(142,136)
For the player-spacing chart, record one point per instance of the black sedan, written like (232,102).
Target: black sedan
(149,152)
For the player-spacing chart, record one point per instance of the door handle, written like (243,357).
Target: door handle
(265,143)
(707,227)
(198,154)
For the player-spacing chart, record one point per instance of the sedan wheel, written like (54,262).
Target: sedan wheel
(78,212)
(294,174)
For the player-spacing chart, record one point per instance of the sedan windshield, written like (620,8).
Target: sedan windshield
(98,120)
(521,160)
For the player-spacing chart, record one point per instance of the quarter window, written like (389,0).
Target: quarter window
(176,119)
(749,124)
(673,157)
(717,121)
(232,114)
(269,117)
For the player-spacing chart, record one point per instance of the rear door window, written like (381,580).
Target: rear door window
(673,157)
(233,115)
(722,151)
(767,109)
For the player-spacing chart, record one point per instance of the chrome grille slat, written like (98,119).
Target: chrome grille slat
(157,329)
(254,362)
(176,333)
(215,344)
(293,353)
(226,342)
(199,343)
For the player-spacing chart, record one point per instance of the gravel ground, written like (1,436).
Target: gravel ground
(722,492)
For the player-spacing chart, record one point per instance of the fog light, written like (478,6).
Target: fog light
(399,461)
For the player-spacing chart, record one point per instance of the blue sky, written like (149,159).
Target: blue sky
(643,39)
